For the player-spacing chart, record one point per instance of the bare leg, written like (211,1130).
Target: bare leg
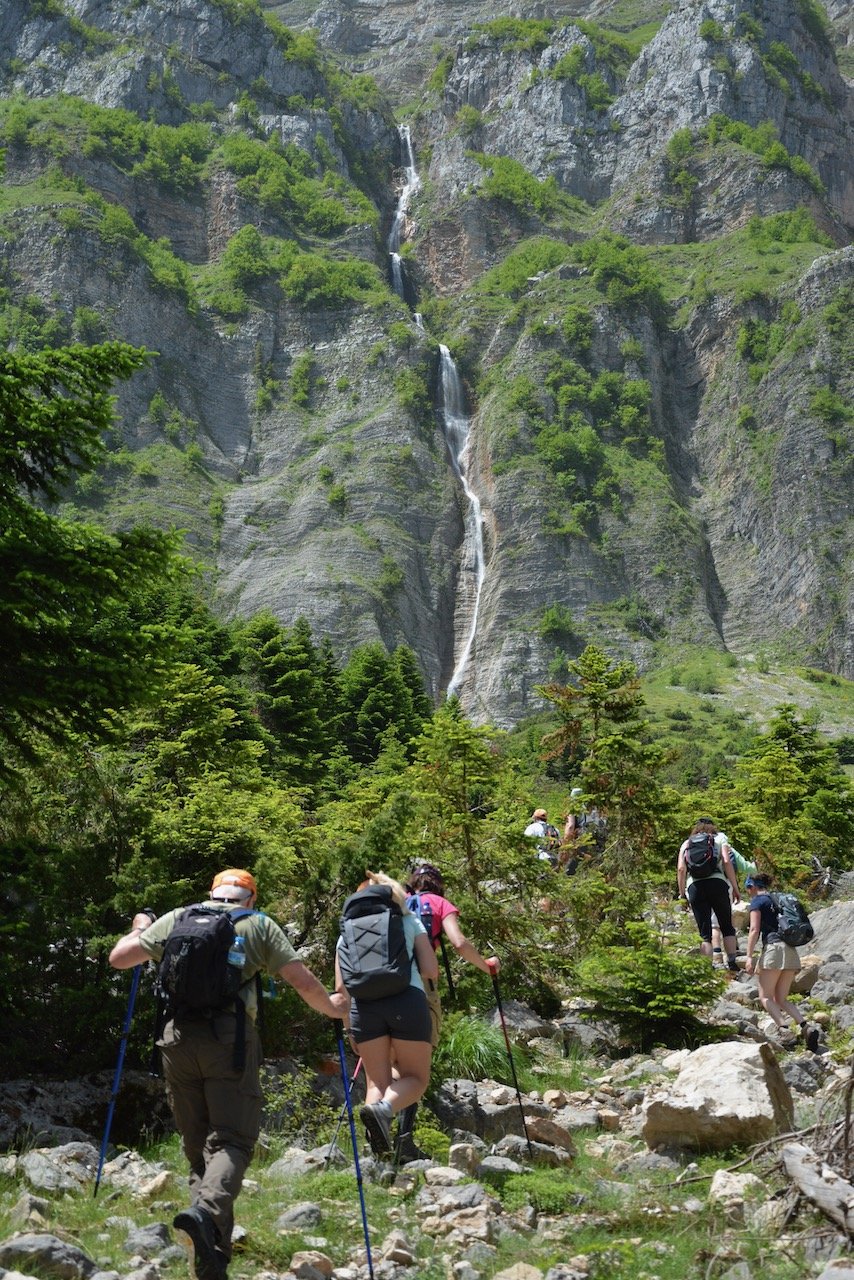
(412,1073)
(784,984)
(376,1061)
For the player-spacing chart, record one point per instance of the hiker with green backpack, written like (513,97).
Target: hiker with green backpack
(743,866)
(706,877)
(209,955)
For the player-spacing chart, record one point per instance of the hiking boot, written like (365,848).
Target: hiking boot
(810,1036)
(786,1038)
(195,1230)
(378,1128)
(407,1149)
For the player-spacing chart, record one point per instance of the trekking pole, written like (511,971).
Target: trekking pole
(341,1119)
(451,990)
(339,1029)
(118,1074)
(509,1053)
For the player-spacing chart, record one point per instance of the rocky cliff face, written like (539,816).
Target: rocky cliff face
(659,425)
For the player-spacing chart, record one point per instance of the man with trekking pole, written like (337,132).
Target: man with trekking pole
(209,955)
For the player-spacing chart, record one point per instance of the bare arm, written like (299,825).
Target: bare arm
(127,953)
(428,965)
(753,935)
(466,949)
(681,874)
(729,872)
(312,991)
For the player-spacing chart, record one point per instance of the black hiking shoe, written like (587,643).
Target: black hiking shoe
(196,1232)
(809,1035)
(378,1129)
(407,1150)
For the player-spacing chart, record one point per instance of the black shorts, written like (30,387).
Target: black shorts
(404,1016)
(706,896)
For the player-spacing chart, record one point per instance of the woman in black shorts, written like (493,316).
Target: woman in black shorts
(711,893)
(394,1031)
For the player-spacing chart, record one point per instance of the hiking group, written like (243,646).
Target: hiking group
(707,870)
(584,834)
(210,956)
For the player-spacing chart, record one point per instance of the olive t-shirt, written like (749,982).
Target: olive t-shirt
(265,944)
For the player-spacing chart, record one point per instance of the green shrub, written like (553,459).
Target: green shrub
(337,496)
(830,407)
(711,30)
(557,623)
(510,277)
(620,270)
(301,379)
(525,34)
(412,392)
(468,119)
(650,986)
(680,146)
(439,76)
(577,328)
(509,180)
(471,1049)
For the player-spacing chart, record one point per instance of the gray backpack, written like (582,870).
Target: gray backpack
(372,953)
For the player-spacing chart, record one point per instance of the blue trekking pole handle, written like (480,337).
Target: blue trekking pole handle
(339,1030)
(134,986)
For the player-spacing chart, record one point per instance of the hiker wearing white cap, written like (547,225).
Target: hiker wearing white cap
(546,835)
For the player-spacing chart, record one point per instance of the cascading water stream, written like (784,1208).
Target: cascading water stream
(458,435)
(455,420)
(411,183)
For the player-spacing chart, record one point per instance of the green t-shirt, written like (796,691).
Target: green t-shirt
(266,946)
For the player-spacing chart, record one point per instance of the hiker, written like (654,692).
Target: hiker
(441,919)
(391,1033)
(777,966)
(546,835)
(705,876)
(743,866)
(217,1108)
(572,831)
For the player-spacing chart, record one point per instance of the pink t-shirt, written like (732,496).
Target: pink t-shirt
(440,907)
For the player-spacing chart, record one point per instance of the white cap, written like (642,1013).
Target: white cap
(230,893)
(575,793)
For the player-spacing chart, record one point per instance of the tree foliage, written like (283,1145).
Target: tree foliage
(70,643)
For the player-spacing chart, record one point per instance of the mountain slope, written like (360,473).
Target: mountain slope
(637,260)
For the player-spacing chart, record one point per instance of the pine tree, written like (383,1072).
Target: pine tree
(70,647)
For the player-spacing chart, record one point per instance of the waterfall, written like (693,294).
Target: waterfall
(457,433)
(454,418)
(411,183)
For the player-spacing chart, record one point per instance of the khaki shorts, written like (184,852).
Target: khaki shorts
(779,955)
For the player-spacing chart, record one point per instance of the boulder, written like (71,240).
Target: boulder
(726,1095)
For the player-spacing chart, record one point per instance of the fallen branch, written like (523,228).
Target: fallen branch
(818,1183)
(754,1152)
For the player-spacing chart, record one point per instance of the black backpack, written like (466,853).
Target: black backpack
(701,855)
(793,923)
(194,979)
(372,953)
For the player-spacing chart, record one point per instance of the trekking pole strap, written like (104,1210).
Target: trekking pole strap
(446,962)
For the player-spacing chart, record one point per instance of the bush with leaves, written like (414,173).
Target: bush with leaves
(651,986)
